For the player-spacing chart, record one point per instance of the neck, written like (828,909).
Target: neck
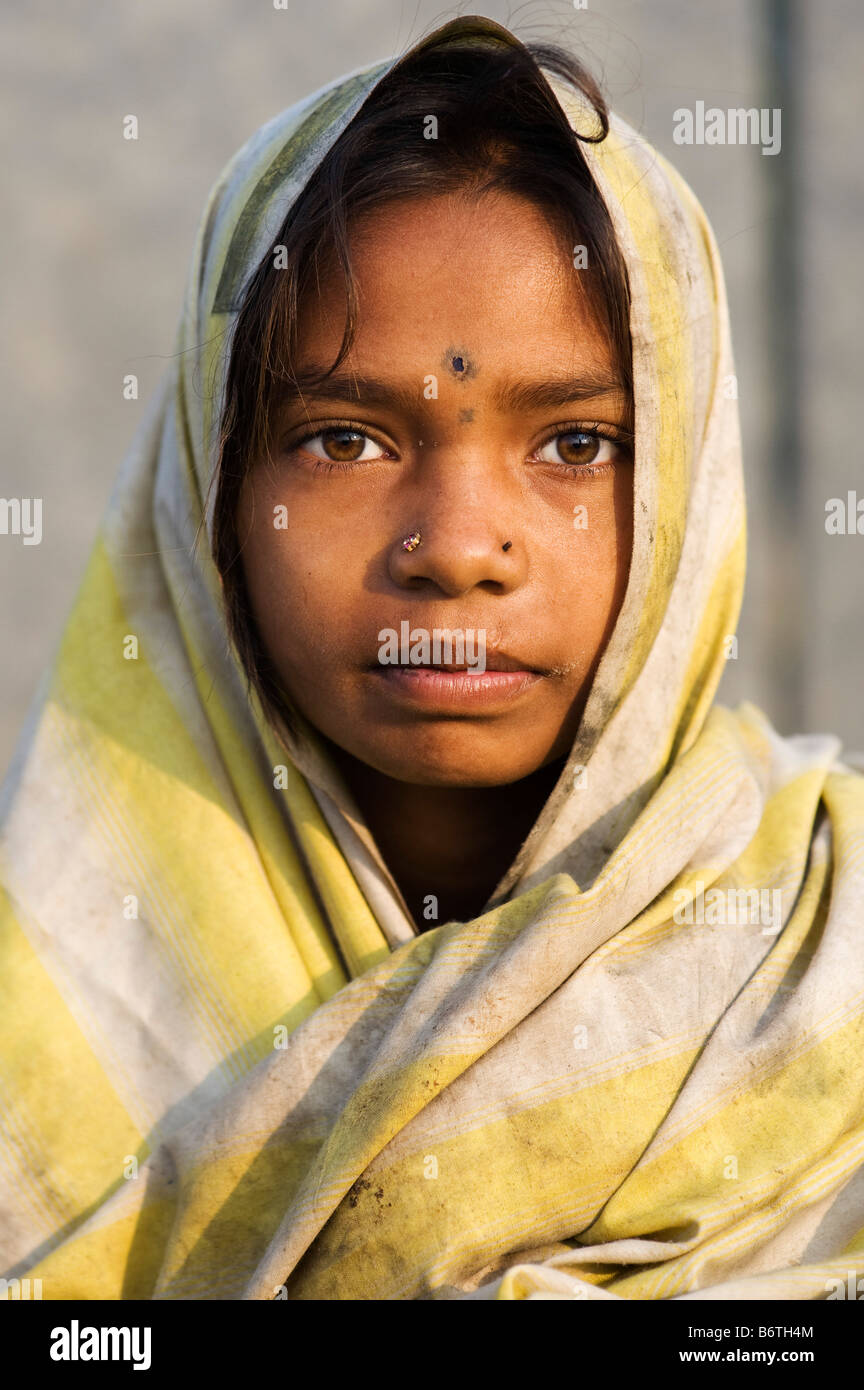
(447,847)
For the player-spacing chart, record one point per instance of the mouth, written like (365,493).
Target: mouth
(457,687)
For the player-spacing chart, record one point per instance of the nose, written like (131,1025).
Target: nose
(465,542)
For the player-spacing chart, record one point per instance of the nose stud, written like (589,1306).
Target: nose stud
(411,542)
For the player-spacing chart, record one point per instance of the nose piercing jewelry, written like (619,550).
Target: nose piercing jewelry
(506,545)
(411,542)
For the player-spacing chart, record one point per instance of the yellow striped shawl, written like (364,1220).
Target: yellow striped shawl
(230,1069)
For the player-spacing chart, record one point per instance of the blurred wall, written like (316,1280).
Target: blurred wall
(97,233)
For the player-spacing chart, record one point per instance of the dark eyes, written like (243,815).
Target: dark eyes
(578,448)
(341,446)
(571,449)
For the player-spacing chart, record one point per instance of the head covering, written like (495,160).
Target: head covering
(229,1065)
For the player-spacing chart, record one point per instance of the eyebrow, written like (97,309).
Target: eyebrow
(548,393)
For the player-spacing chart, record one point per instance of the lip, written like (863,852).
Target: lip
(454,689)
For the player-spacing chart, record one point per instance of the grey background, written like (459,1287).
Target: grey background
(97,233)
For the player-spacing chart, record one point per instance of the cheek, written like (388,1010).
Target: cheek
(599,543)
(299,575)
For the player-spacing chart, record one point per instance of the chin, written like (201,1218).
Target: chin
(455,758)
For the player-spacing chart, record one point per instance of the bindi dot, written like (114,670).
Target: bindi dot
(459,364)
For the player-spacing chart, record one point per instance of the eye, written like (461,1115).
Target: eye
(341,444)
(578,448)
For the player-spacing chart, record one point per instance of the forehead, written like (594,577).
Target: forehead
(492,272)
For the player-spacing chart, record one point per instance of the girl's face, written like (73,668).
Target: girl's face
(480,406)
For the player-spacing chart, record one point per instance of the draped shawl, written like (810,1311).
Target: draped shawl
(232,1067)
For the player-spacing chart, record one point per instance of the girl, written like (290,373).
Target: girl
(416,925)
